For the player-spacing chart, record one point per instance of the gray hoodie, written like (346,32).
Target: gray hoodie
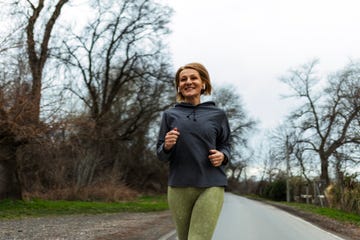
(202,127)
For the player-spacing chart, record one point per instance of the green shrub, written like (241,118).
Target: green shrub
(276,190)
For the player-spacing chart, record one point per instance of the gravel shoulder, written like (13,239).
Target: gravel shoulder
(129,226)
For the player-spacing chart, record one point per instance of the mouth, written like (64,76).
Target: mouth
(189,88)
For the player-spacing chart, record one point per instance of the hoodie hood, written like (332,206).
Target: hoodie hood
(204,104)
(191,113)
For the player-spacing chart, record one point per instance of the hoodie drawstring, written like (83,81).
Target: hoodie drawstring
(193,114)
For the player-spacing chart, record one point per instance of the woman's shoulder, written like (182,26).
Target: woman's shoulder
(213,106)
(171,110)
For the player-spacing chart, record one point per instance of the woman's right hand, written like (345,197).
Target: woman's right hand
(171,138)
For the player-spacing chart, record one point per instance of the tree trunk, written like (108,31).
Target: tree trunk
(36,97)
(324,177)
(38,57)
(10,186)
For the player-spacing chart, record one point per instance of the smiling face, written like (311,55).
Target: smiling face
(191,81)
(190,85)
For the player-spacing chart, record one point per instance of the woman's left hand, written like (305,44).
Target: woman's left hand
(216,157)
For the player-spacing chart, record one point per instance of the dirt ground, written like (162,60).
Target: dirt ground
(128,226)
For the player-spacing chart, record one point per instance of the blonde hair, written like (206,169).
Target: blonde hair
(204,75)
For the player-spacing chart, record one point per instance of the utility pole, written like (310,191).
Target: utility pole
(287,170)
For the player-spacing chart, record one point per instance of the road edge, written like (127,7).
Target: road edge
(169,235)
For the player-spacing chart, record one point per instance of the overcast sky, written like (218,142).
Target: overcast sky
(250,44)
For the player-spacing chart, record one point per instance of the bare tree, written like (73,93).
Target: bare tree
(123,77)
(326,120)
(123,80)
(38,49)
(240,125)
(20,99)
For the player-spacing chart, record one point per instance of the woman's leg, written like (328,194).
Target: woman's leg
(181,202)
(205,213)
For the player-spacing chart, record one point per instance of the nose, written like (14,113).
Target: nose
(188,81)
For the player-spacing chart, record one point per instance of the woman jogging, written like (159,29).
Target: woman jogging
(194,138)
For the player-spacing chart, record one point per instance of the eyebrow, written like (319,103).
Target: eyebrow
(191,75)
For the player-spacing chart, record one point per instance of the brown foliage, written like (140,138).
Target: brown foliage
(103,191)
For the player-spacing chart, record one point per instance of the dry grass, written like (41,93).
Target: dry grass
(105,191)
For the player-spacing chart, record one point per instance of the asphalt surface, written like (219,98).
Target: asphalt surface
(242,218)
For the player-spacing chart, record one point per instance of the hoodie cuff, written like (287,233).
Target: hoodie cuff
(164,155)
(226,158)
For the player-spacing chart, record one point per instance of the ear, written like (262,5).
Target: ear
(203,87)
(178,90)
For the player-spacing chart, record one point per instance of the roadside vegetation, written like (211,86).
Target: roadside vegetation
(10,209)
(336,214)
(331,213)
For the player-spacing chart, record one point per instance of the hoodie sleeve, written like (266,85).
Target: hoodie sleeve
(223,140)
(161,153)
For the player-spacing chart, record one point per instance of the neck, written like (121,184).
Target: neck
(194,101)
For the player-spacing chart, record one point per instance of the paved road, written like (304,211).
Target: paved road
(242,218)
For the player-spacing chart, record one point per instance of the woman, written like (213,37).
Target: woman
(194,138)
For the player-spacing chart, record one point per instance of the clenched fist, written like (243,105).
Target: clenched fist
(170,139)
(216,157)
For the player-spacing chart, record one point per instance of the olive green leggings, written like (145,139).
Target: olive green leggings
(195,211)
